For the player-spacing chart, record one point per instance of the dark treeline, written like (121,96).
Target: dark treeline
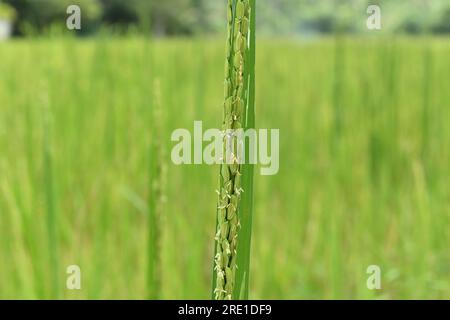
(190,17)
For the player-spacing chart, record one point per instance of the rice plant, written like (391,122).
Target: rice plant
(234,206)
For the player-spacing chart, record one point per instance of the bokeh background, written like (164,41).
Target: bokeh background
(364,175)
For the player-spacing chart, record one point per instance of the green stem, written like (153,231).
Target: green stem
(154,200)
(51,212)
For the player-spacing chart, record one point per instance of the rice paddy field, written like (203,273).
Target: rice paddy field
(364,167)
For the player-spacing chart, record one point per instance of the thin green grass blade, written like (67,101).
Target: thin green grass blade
(51,218)
(154,199)
(246,210)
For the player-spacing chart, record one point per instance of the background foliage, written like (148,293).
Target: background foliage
(363,178)
(187,17)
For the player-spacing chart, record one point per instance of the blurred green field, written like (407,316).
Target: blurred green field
(364,167)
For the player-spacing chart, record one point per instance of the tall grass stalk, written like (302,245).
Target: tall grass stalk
(426,97)
(51,218)
(234,207)
(155,197)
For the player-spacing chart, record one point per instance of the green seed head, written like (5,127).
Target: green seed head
(234,168)
(237,183)
(244,26)
(234,201)
(238,14)
(229,274)
(243,44)
(239,106)
(237,47)
(226,247)
(223,201)
(237,60)
(225,173)
(238,41)
(228,119)
(222,214)
(228,103)
(218,257)
(240,90)
(226,259)
(220,279)
(226,89)
(229,187)
(231,212)
(240,10)
(233,261)
(236,29)
(232,234)
(237,125)
(224,229)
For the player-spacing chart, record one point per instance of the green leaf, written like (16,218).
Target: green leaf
(246,210)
